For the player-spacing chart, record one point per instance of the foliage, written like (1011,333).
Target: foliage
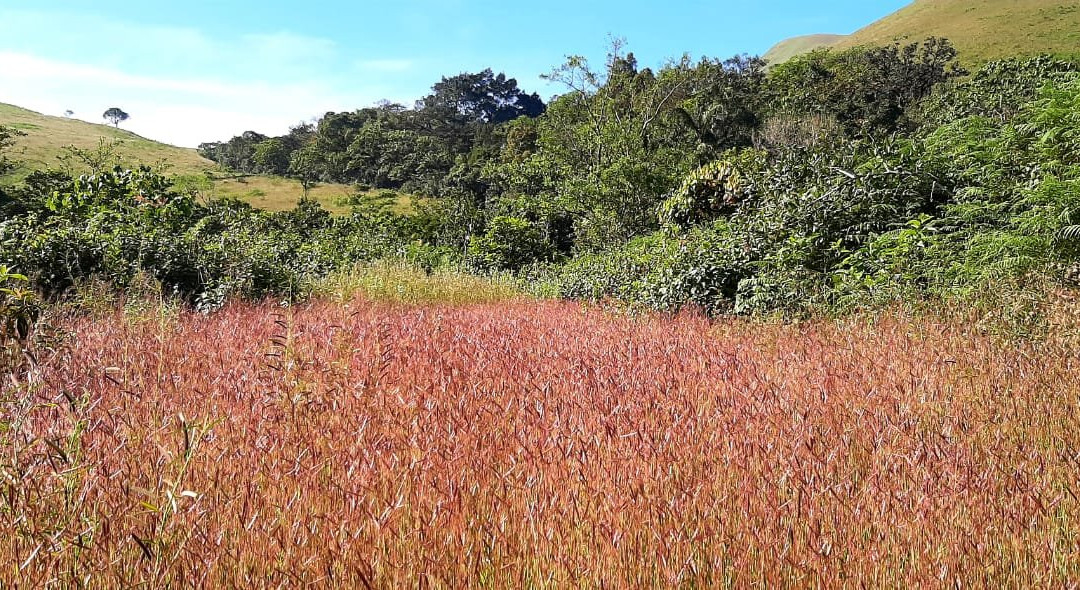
(836,180)
(120,224)
(483,97)
(389,146)
(717,188)
(116,116)
(999,90)
(8,136)
(18,307)
(840,222)
(508,244)
(867,90)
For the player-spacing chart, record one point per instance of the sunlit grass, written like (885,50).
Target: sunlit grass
(47,136)
(399,282)
(529,444)
(981,29)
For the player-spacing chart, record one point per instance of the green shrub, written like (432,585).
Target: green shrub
(508,244)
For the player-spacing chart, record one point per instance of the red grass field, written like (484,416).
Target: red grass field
(525,445)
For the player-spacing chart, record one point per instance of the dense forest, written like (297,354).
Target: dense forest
(836,179)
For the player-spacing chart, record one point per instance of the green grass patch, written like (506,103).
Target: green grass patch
(399,282)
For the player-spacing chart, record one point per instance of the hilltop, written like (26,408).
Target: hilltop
(789,48)
(47,138)
(981,30)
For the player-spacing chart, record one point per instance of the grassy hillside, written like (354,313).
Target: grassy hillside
(789,48)
(47,137)
(980,29)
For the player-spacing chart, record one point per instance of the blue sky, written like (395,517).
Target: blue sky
(201,70)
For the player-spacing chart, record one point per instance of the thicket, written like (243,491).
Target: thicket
(120,225)
(834,180)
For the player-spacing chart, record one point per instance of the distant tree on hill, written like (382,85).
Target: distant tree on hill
(115,116)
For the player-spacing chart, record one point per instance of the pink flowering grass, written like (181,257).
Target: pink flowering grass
(525,444)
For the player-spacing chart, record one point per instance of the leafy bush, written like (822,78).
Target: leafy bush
(116,225)
(508,244)
(715,189)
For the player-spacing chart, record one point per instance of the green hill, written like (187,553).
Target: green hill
(789,48)
(980,29)
(48,137)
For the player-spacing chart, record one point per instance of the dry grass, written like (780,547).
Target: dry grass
(395,282)
(527,444)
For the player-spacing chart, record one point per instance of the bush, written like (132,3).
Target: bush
(114,226)
(508,244)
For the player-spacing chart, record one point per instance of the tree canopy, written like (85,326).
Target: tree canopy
(116,116)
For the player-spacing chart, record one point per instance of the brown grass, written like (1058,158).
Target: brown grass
(525,445)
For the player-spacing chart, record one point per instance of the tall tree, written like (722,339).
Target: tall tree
(483,97)
(116,116)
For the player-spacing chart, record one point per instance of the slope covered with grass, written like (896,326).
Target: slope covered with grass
(981,30)
(789,48)
(46,137)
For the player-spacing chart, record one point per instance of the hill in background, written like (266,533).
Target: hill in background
(47,138)
(789,48)
(981,30)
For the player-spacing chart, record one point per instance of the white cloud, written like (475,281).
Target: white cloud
(180,111)
(182,85)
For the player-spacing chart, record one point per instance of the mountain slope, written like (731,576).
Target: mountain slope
(981,30)
(47,136)
(789,48)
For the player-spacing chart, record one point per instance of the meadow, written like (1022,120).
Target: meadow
(368,442)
